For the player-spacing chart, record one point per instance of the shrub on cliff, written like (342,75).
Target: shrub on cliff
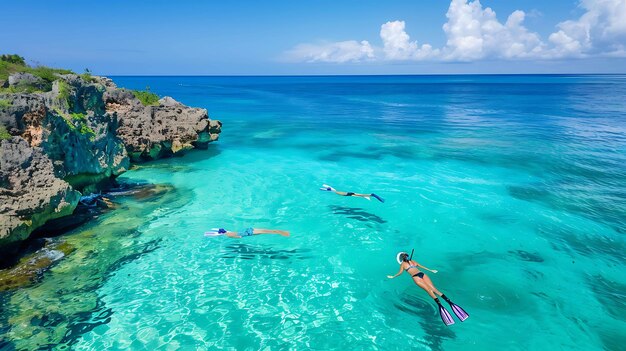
(147,98)
(86,76)
(79,122)
(64,93)
(78,116)
(46,73)
(15,59)
(4,133)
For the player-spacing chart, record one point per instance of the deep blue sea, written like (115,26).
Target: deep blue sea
(512,187)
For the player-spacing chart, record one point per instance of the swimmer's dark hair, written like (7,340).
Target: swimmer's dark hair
(404,257)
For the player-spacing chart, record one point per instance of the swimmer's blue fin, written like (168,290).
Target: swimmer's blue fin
(445,315)
(326,187)
(378,197)
(215,232)
(460,313)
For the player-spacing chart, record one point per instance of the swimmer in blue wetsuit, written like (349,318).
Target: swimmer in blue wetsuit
(423,281)
(244,233)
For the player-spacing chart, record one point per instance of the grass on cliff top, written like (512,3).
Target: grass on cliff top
(4,133)
(147,98)
(10,64)
(86,76)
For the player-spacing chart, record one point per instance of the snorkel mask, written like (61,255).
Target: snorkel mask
(401,256)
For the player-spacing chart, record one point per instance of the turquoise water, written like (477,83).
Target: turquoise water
(511,186)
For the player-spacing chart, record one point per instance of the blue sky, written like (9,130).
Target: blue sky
(320,37)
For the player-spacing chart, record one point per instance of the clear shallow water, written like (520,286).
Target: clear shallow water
(511,186)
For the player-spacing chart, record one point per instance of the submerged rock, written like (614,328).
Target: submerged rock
(99,249)
(76,137)
(31,267)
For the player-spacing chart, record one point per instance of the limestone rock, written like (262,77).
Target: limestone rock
(24,116)
(168,101)
(151,132)
(24,79)
(30,192)
(81,132)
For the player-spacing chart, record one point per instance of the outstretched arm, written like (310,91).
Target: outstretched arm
(397,274)
(270,231)
(426,268)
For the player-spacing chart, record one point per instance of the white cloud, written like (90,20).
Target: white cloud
(475,33)
(601,30)
(397,44)
(337,52)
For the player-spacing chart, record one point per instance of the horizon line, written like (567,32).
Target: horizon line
(361,75)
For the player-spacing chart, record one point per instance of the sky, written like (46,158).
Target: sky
(304,37)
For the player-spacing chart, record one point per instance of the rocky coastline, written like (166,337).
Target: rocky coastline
(66,136)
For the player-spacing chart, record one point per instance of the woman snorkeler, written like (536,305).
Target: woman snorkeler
(423,281)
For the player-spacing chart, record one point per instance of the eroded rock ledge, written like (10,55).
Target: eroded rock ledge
(57,145)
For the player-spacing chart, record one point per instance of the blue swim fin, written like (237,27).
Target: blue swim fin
(215,232)
(327,188)
(378,197)
(460,312)
(445,315)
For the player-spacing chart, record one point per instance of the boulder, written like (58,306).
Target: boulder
(168,101)
(23,79)
(151,132)
(30,191)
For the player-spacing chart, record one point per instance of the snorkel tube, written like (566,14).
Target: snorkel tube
(412,250)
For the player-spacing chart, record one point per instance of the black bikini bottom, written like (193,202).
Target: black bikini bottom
(419,275)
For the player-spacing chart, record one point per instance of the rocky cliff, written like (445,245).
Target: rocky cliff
(58,144)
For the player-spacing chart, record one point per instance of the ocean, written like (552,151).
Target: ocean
(512,187)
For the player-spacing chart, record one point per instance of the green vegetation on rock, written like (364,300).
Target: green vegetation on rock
(64,93)
(28,89)
(78,116)
(10,64)
(87,77)
(4,103)
(146,97)
(46,73)
(15,59)
(77,122)
(28,270)
(84,129)
(4,133)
